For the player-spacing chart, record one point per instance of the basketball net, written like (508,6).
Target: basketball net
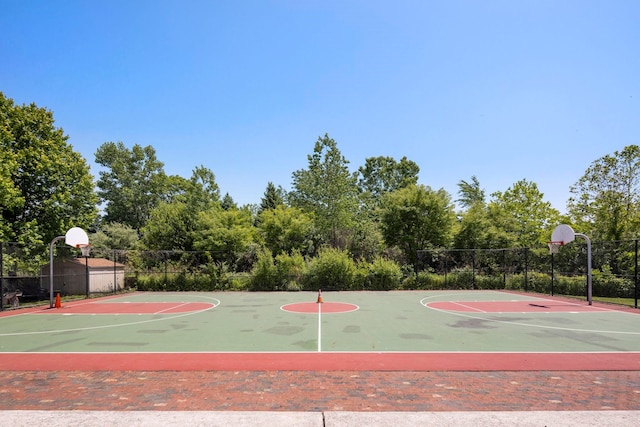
(554,247)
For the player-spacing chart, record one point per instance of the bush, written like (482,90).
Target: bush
(332,270)
(382,275)
(424,281)
(289,271)
(605,284)
(569,285)
(240,281)
(489,282)
(461,279)
(214,277)
(264,272)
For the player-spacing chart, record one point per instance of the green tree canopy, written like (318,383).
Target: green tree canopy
(381,175)
(226,233)
(272,198)
(171,223)
(133,183)
(328,191)
(475,229)
(415,218)
(522,213)
(605,201)
(203,191)
(112,236)
(286,229)
(170,227)
(228,203)
(470,193)
(45,186)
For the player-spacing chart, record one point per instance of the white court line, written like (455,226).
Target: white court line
(172,308)
(319,327)
(467,306)
(528,325)
(89,328)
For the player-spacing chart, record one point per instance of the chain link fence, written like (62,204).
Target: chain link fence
(24,271)
(614,269)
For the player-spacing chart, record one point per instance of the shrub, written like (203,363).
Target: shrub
(569,285)
(264,272)
(489,282)
(461,279)
(382,275)
(240,281)
(289,271)
(605,284)
(423,281)
(535,282)
(333,269)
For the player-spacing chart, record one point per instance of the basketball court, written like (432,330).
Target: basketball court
(412,330)
(330,359)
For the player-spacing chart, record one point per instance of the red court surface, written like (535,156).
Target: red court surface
(318,361)
(314,308)
(318,381)
(324,361)
(512,306)
(130,308)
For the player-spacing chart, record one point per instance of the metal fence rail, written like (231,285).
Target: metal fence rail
(615,269)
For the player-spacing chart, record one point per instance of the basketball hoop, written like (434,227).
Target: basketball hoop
(554,247)
(85,249)
(564,234)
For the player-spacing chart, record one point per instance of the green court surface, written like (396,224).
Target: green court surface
(401,321)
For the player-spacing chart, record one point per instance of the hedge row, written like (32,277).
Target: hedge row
(334,270)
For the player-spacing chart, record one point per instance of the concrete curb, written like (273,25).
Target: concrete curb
(316,419)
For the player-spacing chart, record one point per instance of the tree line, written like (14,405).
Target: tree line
(380,211)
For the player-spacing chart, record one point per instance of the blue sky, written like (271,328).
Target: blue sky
(503,90)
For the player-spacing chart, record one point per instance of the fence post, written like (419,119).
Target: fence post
(164,253)
(473,269)
(635,275)
(446,266)
(504,268)
(1,277)
(115,273)
(552,278)
(526,269)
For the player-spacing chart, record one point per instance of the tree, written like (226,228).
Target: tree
(273,197)
(522,213)
(286,229)
(171,223)
(10,195)
(227,233)
(228,203)
(366,242)
(203,191)
(470,193)
(328,191)
(169,227)
(415,218)
(476,229)
(112,236)
(381,175)
(133,184)
(45,186)
(606,199)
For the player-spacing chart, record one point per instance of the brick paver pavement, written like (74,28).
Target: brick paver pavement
(320,391)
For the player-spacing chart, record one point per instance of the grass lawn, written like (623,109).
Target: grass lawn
(620,301)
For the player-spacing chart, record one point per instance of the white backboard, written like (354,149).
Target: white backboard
(563,233)
(76,237)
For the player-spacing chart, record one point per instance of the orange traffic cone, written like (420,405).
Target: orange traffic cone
(58,304)
(319,296)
